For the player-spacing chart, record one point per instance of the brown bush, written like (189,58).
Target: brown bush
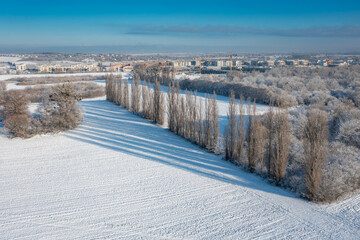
(60,111)
(15,103)
(17,125)
(15,114)
(2,87)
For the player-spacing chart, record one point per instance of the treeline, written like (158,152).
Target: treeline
(54,79)
(155,72)
(193,119)
(261,94)
(187,116)
(84,90)
(309,85)
(260,143)
(58,111)
(142,100)
(166,75)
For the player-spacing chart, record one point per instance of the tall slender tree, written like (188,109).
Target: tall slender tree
(231,131)
(241,131)
(315,140)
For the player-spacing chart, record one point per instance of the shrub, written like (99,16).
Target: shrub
(342,173)
(15,114)
(17,125)
(2,87)
(60,111)
(14,103)
(349,132)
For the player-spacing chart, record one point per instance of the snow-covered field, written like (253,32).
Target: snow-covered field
(120,177)
(9,59)
(10,76)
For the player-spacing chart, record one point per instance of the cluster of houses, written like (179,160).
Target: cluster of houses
(210,65)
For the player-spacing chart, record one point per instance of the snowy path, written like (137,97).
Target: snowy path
(120,177)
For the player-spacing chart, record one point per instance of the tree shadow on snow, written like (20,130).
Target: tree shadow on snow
(110,126)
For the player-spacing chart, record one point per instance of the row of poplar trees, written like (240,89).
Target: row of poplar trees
(196,120)
(140,99)
(251,140)
(266,141)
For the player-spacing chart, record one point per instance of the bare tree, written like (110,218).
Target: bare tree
(241,131)
(15,113)
(110,88)
(187,127)
(171,107)
(315,140)
(17,125)
(207,122)
(2,97)
(199,125)
(193,120)
(15,102)
(231,130)
(182,116)
(2,86)
(126,95)
(62,109)
(215,125)
(180,124)
(255,138)
(151,103)
(269,121)
(158,104)
(281,143)
(135,96)
(119,95)
(145,100)
(140,72)
(107,87)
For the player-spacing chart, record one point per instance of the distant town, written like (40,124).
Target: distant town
(204,64)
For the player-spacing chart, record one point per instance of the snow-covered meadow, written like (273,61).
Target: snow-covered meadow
(121,177)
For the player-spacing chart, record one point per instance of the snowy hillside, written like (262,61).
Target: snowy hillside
(120,177)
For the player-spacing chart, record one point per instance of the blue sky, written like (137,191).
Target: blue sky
(208,26)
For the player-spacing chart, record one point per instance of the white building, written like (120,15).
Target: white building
(21,67)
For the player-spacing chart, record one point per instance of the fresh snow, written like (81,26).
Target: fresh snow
(118,176)
(12,76)
(187,76)
(9,59)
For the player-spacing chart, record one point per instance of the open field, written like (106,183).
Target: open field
(119,176)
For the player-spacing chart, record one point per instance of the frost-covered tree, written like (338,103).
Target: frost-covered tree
(281,143)
(255,138)
(126,94)
(269,122)
(241,131)
(119,92)
(349,132)
(315,141)
(158,103)
(15,114)
(230,133)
